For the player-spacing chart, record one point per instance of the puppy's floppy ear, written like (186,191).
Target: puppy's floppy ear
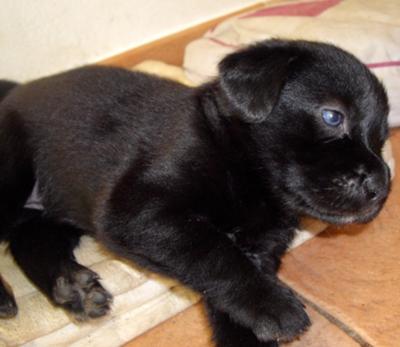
(252,78)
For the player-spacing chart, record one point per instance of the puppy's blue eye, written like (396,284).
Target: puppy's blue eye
(332,118)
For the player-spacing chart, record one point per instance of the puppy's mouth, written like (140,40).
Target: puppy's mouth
(363,215)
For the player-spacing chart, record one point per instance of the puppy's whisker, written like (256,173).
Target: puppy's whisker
(329,139)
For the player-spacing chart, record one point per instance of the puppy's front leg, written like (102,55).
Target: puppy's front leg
(264,249)
(190,248)
(265,246)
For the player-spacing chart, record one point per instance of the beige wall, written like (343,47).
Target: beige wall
(40,37)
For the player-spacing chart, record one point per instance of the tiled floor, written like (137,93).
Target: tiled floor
(351,275)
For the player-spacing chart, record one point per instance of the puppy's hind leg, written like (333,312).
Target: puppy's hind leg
(43,248)
(227,333)
(16,183)
(17,175)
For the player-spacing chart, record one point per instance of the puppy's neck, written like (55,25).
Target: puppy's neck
(233,138)
(229,133)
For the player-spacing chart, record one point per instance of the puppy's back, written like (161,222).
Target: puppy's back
(85,127)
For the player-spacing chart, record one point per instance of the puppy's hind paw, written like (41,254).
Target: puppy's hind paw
(8,306)
(79,292)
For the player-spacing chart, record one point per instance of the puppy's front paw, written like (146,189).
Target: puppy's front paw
(284,317)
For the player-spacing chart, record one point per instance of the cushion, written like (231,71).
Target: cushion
(369,29)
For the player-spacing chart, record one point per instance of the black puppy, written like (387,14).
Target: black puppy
(205,184)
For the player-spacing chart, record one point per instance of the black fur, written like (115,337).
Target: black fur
(6,87)
(205,184)
(9,210)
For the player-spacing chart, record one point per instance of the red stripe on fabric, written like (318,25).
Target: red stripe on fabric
(222,43)
(384,64)
(305,9)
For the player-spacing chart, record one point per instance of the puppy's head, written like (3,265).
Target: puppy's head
(317,119)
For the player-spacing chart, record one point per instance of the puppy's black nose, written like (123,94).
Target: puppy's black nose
(373,185)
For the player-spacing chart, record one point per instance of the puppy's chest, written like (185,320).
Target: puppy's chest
(246,211)
(239,209)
